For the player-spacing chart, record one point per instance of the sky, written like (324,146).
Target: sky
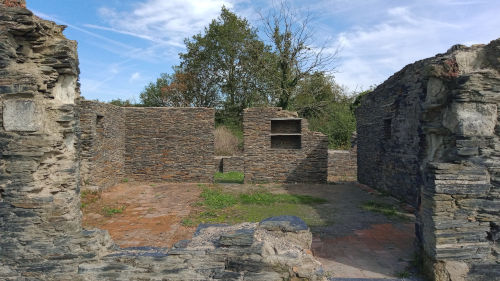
(125,44)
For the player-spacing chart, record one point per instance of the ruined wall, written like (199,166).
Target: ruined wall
(430,135)
(289,152)
(40,221)
(102,140)
(342,165)
(169,144)
(41,237)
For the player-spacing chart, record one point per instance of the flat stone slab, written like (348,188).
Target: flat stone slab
(284,223)
(240,237)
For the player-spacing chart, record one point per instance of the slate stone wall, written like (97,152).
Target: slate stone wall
(342,165)
(230,164)
(102,143)
(41,236)
(266,164)
(430,135)
(169,144)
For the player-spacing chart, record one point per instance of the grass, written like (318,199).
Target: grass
(109,211)
(388,210)
(229,177)
(219,206)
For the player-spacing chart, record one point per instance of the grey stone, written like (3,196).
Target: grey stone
(21,116)
(284,223)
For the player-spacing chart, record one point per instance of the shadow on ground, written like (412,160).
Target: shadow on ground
(358,243)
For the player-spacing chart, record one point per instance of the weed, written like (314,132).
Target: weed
(187,222)
(229,177)
(109,211)
(152,185)
(89,197)
(125,180)
(403,274)
(388,210)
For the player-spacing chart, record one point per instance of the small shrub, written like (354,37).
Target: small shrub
(225,142)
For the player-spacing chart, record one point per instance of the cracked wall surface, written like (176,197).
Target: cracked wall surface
(430,135)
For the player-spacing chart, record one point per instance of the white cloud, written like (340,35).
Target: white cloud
(165,22)
(135,76)
(371,53)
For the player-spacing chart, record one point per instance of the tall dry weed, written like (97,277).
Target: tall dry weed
(226,143)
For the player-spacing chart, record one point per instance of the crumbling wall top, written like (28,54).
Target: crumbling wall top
(13,3)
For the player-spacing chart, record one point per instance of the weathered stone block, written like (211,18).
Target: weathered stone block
(22,116)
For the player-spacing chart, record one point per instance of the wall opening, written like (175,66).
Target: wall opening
(286,133)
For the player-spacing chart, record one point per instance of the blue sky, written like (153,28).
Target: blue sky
(125,44)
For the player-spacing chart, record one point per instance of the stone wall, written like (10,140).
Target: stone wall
(102,141)
(284,152)
(342,165)
(170,144)
(40,219)
(41,237)
(226,164)
(430,135)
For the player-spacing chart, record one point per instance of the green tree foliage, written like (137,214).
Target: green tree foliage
(292,44)
(225,61)
(327,107)
(123,103)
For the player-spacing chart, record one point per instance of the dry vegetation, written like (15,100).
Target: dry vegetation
(226,143)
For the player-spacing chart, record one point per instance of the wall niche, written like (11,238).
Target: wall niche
(286,133)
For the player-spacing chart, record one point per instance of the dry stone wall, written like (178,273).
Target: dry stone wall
(284,152)
(170,144)
(41,237)
(430,134)
(342,165)
(102,141)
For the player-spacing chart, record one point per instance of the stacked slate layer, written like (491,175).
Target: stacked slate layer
(102,143)
(41,237)
(145,144)
(342,165)
(263,163)
(170,144)
(430,135)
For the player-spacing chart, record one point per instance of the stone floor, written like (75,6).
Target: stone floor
(358,244)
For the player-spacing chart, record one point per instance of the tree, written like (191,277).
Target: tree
(292,41)
(226,60)
(314,93)
(327,107)
(122,103)
(177,90)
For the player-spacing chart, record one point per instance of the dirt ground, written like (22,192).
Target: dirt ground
(356,243)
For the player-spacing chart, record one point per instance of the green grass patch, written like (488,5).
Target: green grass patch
(219,206)
(388,210)
(229,177)
(216,199)
(268,198)
(109,211)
